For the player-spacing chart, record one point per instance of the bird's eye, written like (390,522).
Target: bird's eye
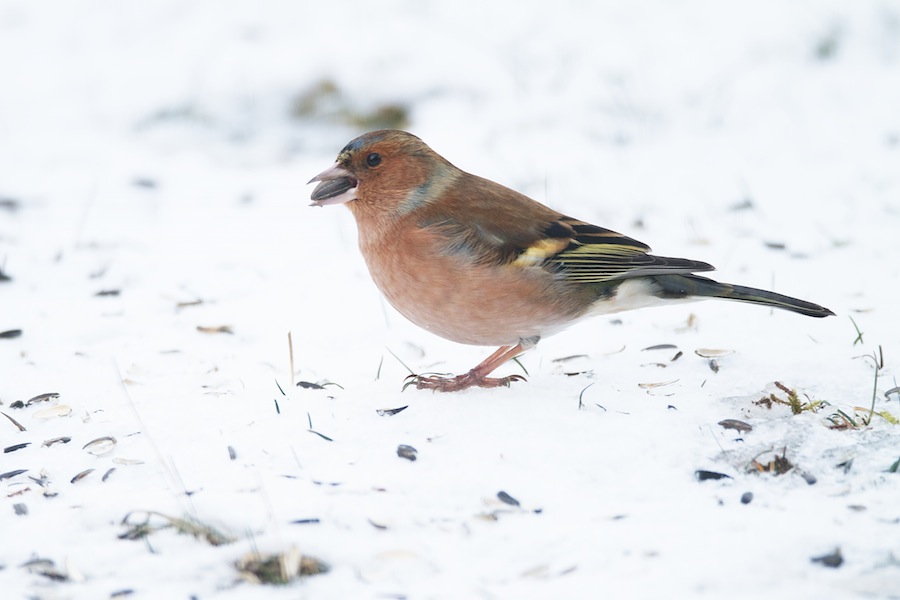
(373,160)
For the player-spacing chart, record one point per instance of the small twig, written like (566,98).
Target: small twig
(291,354)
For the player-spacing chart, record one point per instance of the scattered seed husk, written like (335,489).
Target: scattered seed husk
(746,497)
(713,365)
(46,568)
(704,475)
(568,358)
(712,352)
(10,334)
(648,386)
(107,474)
(660,347)
(15,447)
(108,293)
(328,483)
(407,452)
(232,453)
(390,412)
(378,525)
(309,385)
(18,425)
(507,499)
(100,446)
(833,559)
(310,521)
(20,509)
(60,410)
(147,183)
(737,425)
(11,474)
(215,329)
(19,491)
(37,563)
(42,398)
(127,461)
(188,303)
(57,440)
(81,475)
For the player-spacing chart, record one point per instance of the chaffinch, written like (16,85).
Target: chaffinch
(478,263)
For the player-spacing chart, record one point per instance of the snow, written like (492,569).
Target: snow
(151,148)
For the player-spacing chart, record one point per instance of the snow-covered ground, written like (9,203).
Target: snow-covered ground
(153,165)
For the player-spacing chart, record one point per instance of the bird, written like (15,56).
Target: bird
(478,263)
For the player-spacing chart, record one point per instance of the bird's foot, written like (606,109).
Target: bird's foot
(438,383)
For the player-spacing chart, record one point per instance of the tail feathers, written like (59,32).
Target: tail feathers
(684,286)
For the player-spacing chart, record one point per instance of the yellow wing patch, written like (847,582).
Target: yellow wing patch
(540,251)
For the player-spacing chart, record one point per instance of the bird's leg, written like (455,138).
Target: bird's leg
(477,377)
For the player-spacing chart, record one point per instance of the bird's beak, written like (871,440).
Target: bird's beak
(336,186)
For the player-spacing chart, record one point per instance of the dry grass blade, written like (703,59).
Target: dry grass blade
(291,356)
(779,465)
(188,525)
(311,430)
(279,569)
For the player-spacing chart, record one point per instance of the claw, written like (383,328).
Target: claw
(437,383)
(477,377)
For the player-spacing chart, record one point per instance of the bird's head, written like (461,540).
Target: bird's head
(381,172)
